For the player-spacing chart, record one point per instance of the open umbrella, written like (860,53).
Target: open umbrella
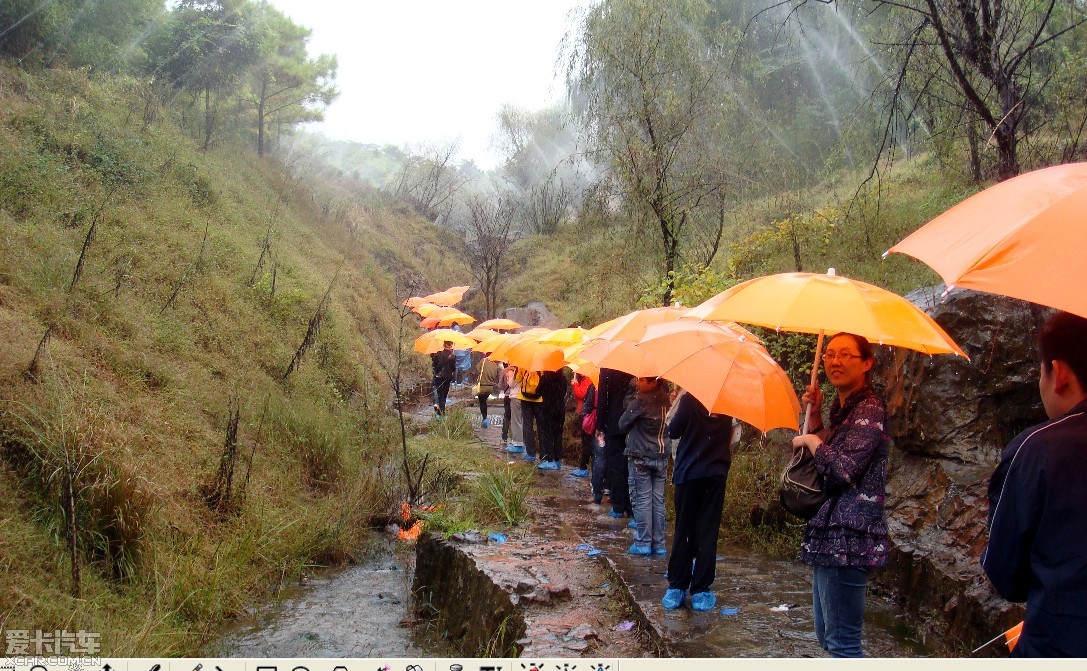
(531,354)
(457,317)
(443,298)
(565,337)
(490,344)
(816,303)
(429,322)
(1023,238)
(432,341)
(458,290)
(726,372)
(414,301)
(480,334)
(424,309)
(632,325)
(500,324)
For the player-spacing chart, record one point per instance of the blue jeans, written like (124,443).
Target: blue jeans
(838,600)
(648,500)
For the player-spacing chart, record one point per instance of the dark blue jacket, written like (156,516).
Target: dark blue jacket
(1037,549)
(704,439)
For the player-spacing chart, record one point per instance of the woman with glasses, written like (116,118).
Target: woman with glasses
(847,538)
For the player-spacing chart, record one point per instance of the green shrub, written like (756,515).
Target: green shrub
(500,495)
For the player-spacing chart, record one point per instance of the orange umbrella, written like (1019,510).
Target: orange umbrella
(500,324)
(631,326)
(565,337)
(530,354)
(490,344)
(1023,238)
(458,290)
(429,322)
(431,342)
(456,317)
(424,309)
(443,298)
(816,303)
(725,371)
(621,355)
(480,334)
(414,302)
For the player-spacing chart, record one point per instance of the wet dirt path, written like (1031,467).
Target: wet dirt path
(749,619)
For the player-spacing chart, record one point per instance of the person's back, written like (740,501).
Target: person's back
(644,421)
(704,440)
(1037,550)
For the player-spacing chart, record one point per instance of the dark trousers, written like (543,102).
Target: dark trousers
(441,392)
(483,404)
(532,420)
(507,416)
(698,505)
(551,433)
(587,444)
(616,473)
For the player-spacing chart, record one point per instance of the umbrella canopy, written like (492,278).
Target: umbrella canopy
(500,324)
(432,342)
(414,301)
(531,354)
(565,337)
(631,326)
(815,303)
(458,290)
(429,322)
(457,317)
(443,298)
(1023,238)
(480,334)
(621,355)
(490,344)
(726,372)
(424,309)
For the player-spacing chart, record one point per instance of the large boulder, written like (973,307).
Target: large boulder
(533,314)
(950,418)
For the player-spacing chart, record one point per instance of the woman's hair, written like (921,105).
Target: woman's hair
(863,346)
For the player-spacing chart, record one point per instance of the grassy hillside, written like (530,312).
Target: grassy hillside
(202,475)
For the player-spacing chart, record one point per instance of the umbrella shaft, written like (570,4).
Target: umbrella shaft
(814,381)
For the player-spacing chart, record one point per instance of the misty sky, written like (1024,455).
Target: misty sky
(415,71)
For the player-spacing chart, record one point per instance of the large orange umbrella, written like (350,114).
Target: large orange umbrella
(565,337)
(443,298)
(1023,238)
(458,290)
(480,334)
(816,303)
(414,301)
(490,344)
(530,354)
(500,324)
(621,355)
(632,325)
(429,322)
(726,372)
(456,317)
(432,341)
(424,309)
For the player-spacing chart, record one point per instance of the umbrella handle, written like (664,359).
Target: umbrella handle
(814,380)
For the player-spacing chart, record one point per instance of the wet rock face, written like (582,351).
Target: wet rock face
(946,407)
(950,419)
(533,314)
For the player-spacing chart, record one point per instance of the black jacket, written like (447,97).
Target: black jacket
(645,421)
(1037,549)
(444,365)
(704,439)
(611,400)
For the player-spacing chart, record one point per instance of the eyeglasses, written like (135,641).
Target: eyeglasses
(844,357)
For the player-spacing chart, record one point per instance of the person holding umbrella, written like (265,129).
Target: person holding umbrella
(444,365)
(847,538)
(1037,550)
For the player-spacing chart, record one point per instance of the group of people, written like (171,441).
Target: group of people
(1037,548)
